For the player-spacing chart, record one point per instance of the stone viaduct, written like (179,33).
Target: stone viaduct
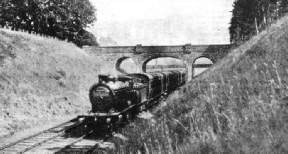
(114,55)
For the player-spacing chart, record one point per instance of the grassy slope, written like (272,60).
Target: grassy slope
(41,79)
(238,106)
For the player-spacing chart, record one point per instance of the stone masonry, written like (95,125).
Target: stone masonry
(114,55)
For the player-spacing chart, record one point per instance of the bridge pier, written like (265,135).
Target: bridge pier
(139,67)
(141,54)
(189,72)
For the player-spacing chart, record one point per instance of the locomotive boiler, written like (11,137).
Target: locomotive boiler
(116,99)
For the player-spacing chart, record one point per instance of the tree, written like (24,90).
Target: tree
(85,38)
(63,19)
(249,17)
(243,20)
(5,13)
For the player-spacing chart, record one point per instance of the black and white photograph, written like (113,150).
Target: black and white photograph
(143,76)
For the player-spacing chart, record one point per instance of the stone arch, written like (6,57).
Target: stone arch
(196,65)
(113,56)
(144,64)
(119,62)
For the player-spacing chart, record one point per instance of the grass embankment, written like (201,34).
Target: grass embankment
(240,105)
(41,79)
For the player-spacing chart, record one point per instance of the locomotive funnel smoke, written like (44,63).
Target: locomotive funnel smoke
(108,71)
(113,73)
(105,70)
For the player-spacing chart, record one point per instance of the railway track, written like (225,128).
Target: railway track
(35,140)
(57,140)
(85,144)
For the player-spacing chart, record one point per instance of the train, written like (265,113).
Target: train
(116,99)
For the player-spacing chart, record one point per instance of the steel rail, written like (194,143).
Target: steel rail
(87,149)
(28,142)
(75,141)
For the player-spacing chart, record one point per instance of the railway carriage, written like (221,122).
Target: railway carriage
(156,85)
(181,77)
(116,99)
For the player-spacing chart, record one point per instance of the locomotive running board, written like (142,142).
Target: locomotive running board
(106,114)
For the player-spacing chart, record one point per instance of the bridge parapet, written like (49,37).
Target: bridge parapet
(139,49)
(110,49)
(158,49)
(112,56)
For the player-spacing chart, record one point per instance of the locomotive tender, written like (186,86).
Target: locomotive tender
(117,99)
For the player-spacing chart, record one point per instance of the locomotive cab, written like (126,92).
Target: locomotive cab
(117,99)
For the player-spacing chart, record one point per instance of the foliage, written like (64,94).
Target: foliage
(85,38)
(238,106)
(249,17)
(42,79)
(64,19)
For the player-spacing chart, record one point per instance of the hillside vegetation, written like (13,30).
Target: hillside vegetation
(239,105)
(41,79)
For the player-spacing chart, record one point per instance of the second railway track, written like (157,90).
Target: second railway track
(35,140)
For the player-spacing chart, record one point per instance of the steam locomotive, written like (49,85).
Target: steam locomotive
(116,99)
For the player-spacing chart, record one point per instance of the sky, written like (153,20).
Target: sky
(162,22)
